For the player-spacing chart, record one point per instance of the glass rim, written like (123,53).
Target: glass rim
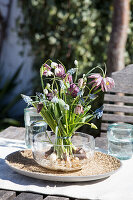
(71,145)
(90,137)
(85,134)
(121,126)
(28,109)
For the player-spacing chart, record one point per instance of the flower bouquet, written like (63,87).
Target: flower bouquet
(65,106)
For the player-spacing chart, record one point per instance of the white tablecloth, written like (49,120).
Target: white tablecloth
(119,186)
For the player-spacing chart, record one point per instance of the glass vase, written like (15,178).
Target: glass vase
(63,154)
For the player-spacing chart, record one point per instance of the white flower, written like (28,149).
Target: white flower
(66,107)
(55,100)
(62,85)
(76,62)
(48,85)
(72,71)
(57,70)
(53,64)
(27,99)
(45,91)
(49,73)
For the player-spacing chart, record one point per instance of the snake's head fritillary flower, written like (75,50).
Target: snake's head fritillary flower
(47,68)
(69,78)
(79,109)
(60,71)
(50,96)
(97,80)
(39,107)
(80,82)
(107,84)
(73,90)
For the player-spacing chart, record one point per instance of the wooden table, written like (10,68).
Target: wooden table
(19,133)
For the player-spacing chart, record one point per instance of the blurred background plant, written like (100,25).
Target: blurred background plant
(68,30)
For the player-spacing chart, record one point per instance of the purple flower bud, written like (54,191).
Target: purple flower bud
(46,69)
(79,109)
(39,107)
(73,90)
(59,71)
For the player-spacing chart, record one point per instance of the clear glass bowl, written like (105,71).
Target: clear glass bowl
(63,157)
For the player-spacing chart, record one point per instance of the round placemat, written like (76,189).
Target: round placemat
(103,165)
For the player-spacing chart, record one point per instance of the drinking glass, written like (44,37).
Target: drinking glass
(30,117)
(120,140)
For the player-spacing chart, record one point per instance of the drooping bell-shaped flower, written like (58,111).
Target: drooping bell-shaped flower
(80,82)
(39,107)
(50,96)
(60,71)
(69,78)
(97,80)
(73,90)
(47,68)
(79,109)
(107,84)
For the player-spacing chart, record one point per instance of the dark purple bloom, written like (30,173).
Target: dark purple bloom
(73,90)
(60,71)
(46,69)
(39,107)
(50,96)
